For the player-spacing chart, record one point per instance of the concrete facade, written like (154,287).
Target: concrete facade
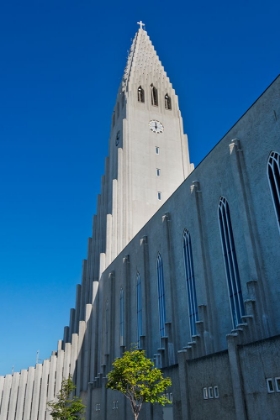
(223,365)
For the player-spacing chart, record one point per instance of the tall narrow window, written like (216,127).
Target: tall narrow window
(273,172)
(193,317)
(158,172)
(154,96)
(231,266)
(121,317)
(141,94)
(157,150)
(113,119)
(167,101)
(118,110)
(161,296)
(139,309)
(122,99)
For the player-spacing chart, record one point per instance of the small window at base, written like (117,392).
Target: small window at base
(210,392)
(277,384)
(205,393)
(216,392)
(269,384)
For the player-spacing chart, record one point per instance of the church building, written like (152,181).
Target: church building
(183,262)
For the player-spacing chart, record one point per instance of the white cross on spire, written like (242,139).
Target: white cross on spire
(141,24)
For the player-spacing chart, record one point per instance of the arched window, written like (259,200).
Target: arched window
(154,95)
(167,101)
(231,266)
(273,172)
(141,94)
(161,296)
(121,317)
(139,309)
(193,316)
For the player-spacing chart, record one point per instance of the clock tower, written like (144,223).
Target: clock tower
(148,151)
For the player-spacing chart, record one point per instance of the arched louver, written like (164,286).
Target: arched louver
(231,265)
(188,258)
(154,96)
(167,102)
(161,296)
(273,172)
(141,94)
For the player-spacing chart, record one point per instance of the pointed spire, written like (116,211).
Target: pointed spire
(143,62)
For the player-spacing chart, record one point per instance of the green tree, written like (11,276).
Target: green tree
(136,377)
(67,406)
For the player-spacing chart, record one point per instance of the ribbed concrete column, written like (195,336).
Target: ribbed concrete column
(71,324)
(2,380)
(94,331)
(202,239)
(147,301)
(66,335)
(171,303)
(114,219)
(127,300)
(44,389)
(74,352)
(67,360)
(59,371)
(6,393)
(236,378)
(52,378)
(21,394)
(86,349)
(108,239)
(14,396)
(250,231)
(29,394)
(77,311)
(82,329)
(183,385)
(36,391)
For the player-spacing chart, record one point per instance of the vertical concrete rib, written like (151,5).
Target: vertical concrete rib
(36,392)
(77,309)
(82,328)
(44,389)
(52,378)
(29,394)
(86,349)
(21,394)
(73,360)
(13,396)
(94,331)
(6,394)
(66,361)
(59,371)
(2,380)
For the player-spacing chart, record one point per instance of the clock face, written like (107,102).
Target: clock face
(118,138)
(156,126)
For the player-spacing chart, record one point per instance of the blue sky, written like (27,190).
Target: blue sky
(61,64)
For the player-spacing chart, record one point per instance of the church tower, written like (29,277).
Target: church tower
(148,153)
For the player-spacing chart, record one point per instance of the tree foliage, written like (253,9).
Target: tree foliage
(137,378)
(67,406)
